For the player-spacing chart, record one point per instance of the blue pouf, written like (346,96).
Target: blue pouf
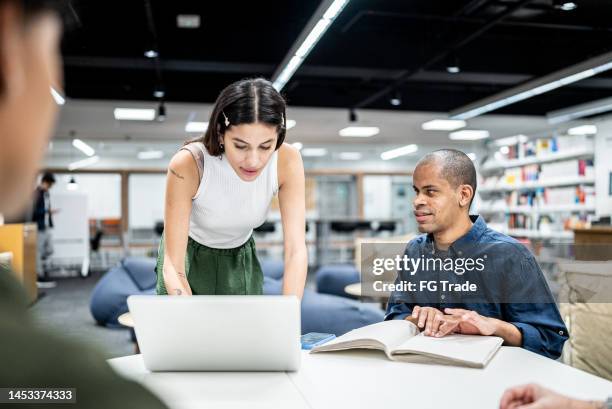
(332,278)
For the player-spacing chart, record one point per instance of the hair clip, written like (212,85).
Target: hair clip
(227,122)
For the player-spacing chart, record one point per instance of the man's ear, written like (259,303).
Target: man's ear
(466,193)
(12,75)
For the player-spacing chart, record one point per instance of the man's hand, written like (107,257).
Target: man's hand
(468,322)
(427,319)
(534,396)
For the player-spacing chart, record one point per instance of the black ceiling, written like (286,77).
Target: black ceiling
(498,44)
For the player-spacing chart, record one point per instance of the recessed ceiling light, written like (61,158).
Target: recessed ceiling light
(349,155)
(199,127)
(314,152)
(134,114)
(359,131)
(583,130)
(188,21)
(565,5)
(468,135)
(147,155)
(291,123)
(397,152)
(453,69)
(83,147)
(511,140)
(297,145)
(443,124)
(151,54)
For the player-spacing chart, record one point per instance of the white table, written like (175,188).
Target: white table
(364,379)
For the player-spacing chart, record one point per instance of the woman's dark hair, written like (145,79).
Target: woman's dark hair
(245,102)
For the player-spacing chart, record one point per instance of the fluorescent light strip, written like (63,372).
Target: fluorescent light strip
(359,131)
(194,127)
(582,130)
(147,155)
(314,152)
(468,135)
(443,125)
(580,111)
(395,153)
(83,147)
(59,99)
(282,76)
(349,155)
(538,86)
(134,114)
(82,163)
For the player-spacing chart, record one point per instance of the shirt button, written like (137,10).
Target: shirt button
(443,297)
(459,252)
(560,332)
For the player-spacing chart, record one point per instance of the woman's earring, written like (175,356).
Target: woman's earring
(223,147)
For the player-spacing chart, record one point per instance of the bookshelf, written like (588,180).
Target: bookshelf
(540,188)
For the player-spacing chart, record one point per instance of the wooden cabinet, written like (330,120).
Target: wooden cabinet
(594,243)
(20,239)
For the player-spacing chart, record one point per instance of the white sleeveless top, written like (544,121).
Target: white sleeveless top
(226,209)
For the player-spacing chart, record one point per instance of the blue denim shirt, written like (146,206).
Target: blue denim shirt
(512,287)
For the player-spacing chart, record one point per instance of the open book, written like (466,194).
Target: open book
(402,341)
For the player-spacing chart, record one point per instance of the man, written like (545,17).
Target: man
(29,65)
(42,215)
(503,293)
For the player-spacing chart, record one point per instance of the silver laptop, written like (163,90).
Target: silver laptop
(218,333)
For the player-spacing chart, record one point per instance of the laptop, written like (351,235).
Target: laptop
(218,332)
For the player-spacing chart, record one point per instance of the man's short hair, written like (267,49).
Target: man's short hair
(457,167)
(48,177)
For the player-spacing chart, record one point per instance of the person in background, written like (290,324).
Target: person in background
(522,309)
(534,396)
(30,32)
(42,215)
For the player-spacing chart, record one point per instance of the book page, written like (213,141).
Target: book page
(383,335)
(469,350)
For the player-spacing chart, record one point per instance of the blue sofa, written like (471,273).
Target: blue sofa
(320,312)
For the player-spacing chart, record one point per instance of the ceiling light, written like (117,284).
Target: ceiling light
(349,155)
(443,125)
(147,155)
(83,163)
(297,145)
(151,54)
(134,114)
(452,65)
(468,135)
(196,127)
(291,123)
(316,27)
(580,111)
(565,5)
(314,152)
(59,99)
(472,156)
(188,21)
(396,100)
(394,153)
(511,140)
(583,130)
(83,147)
(453,69)
(359,131)
(537,86)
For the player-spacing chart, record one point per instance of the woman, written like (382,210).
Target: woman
(219,188)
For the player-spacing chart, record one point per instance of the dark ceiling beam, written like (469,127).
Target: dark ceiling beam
(316,71)
(441,55)
(469,20)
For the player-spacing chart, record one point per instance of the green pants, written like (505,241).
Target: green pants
(217,271)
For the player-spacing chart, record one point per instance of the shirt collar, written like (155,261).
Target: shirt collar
(467,241)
